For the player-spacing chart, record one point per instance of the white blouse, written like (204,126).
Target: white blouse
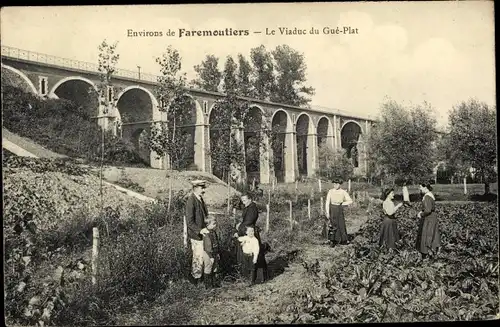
(389,207)
(250,245)
(334,196)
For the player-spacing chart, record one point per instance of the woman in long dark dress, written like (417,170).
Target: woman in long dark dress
(428,238)
(389,233)
(336,199)
(250,215)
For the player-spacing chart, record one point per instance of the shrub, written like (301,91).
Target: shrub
(334,164)
(62,127)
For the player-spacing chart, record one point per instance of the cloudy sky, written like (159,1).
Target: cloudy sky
(440,52)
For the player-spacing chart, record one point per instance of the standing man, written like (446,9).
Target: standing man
(196,215)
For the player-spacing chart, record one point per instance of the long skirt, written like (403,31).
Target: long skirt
(338,231)
(428,237)
(389,233)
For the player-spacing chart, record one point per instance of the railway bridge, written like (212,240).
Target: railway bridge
(300,131)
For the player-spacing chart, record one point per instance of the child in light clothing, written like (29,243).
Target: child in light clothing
(251,248)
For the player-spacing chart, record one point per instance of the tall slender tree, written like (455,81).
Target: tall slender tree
(209,76)
(227,118)
(290,75)
(165,138)
(107,60)
(263,73)
(230,84)
(245,87)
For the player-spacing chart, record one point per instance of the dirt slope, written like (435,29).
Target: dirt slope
(156,182)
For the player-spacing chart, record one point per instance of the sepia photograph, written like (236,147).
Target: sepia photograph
(250,163)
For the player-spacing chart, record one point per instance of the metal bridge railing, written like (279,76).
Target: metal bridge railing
(16,53)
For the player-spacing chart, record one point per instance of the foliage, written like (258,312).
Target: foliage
(333,163)
(44,165)
(108,58)
(263,73)
(230,84)
(372,284)
(227,115)
(128,184)
(46,123)
(166,136)
(471,140)
(209,76)
(290,75)
(244,77)
(400,145)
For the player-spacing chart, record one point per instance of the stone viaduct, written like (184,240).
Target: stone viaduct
(300,130)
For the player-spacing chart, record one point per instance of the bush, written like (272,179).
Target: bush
(63,127)
(334,164)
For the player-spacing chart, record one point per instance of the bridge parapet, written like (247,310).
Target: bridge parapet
(43,58)
(133,92)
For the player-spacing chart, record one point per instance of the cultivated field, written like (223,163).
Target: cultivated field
(142,262)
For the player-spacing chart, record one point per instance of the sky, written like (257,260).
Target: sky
(439,52)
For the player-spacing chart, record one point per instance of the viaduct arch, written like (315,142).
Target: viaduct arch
(295,133)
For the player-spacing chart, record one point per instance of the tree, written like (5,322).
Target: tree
(209,76)
(167,137)
(244,83)
(230,84)
(108,58)
(290,75)
(401,145)
(263,73)
(471,141)
(333,163)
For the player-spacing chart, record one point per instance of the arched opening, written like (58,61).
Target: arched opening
(322,131)
(279,126)
(349,137)
(302,133)
(185,133)
(135,105)
(16,78)
(252,134)
(81,92)
(140,141)
(220,139)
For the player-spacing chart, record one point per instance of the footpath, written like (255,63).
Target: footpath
(236,303)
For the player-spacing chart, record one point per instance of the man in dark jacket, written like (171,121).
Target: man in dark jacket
(196,215)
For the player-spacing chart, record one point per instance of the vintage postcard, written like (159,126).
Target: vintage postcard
(250,163)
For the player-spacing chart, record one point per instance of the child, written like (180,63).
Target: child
(211,248)
(253,258)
